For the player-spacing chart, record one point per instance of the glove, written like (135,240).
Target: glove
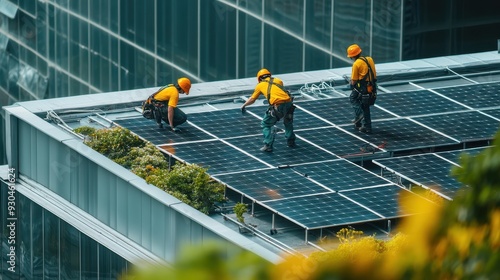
(175,129)
(243,109)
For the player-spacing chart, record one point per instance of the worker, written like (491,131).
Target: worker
(280,107)
(166,99)
(364,88)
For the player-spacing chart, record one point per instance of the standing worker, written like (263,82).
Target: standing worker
(364,88)
(166,99)
(280,106)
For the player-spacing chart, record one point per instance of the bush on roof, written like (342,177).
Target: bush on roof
(189,183)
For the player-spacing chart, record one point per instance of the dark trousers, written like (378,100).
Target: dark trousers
(360,109)
(179,116)
(272,117)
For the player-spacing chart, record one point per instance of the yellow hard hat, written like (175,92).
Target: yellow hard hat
(184,84)
(262,72)
(353,50)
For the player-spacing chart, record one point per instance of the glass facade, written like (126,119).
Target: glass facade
(46,247)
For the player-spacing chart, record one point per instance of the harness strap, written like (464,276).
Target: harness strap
(270,82)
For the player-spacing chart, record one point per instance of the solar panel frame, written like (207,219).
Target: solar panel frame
(270,184)
(463,126)
(389,201)
(148,130)
(214,155)
(282,154)
(340,175)
(403,134)
(476,96)
(415,103)
(339,142)
(332,209)
(426,170)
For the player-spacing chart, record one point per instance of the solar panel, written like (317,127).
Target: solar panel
(301,119)
(414,103)
(339,142)
(271,184)
(389,201)
(322,210)
(338,110)
(454,156)
(403,134)
(475,96)
(215,155)
(493,112)
(227,123)
(464,126)
(427,170)
(148,129)
(282,154)
(340,175)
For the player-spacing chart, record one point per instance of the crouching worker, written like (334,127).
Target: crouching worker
(165,101)
(280,107)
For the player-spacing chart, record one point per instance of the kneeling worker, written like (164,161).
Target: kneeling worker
(166,99)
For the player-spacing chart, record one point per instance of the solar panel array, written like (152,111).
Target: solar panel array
(318,183)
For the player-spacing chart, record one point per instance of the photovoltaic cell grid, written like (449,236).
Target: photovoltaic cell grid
(338,110)
(454,156)
(322,210)
(340,143)
(404,134)
(463,126)
(475,96)
(492,112)
(427,170)
(215,155)
(282,154)
(271,184)
(389,201)
(340,175)
(414,103)
(227,123)
(148,129)
(301,119)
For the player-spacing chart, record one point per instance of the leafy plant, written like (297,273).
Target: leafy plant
(240,209)
(193,181)
(114,142)
(85,130)
(189,183)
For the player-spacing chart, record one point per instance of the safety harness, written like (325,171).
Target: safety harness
(273,110)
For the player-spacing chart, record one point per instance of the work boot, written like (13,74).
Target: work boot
(160,125)
(365,130)
(267,148)
(357,119)
(291,143)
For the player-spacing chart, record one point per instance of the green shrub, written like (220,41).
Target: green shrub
(85,130)
(114,142)
(188,183)
(192,181)
(240,209)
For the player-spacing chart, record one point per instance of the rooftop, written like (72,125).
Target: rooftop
(428,112)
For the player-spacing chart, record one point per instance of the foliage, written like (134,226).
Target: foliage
(114,142)
(141,157)
(196,185)
(212,261)
(239,210)
(348,234)
(189,183)
(85,130)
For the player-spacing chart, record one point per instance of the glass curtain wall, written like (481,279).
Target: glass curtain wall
(46,247)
